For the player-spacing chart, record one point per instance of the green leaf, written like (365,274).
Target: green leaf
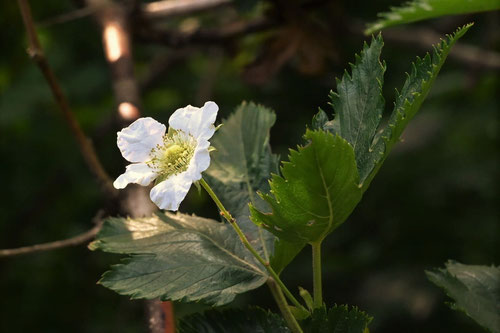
(254,320)
(359,104)
(415,89)
(338,319)
(240,167)
(475,289)
(178,257)
(418,10)
(318,190)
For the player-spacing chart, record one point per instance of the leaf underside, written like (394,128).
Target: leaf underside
(254,320)
(418,10)
(338,319)
(317,192)
(475,289)
(178,257)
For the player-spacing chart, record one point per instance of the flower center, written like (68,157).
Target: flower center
(173,156)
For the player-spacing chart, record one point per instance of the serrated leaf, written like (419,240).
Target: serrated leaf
(338,319)
(418,10)
(415,89)
(358,104)
(475,289)
(178,257)
(317,192)
(254,320)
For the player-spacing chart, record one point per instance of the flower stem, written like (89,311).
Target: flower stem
(283,306)
(318,292)
(247,244)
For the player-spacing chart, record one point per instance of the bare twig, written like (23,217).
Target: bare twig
(73,241)
(168,8)
(113,18)
(36,52)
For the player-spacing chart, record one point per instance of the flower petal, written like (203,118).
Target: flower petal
(139,173)
(137,140)
(169,193)
(199,122)
(200,160)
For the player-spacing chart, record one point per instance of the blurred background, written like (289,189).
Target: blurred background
(436,197)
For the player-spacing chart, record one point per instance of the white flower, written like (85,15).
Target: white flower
(175,159)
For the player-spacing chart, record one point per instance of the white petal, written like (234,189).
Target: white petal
(199,122)
(137,140)
(200,160)
(138,173)
(169,193)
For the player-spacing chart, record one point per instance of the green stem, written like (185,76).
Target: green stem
(283,306)
(318,292)
(247,244)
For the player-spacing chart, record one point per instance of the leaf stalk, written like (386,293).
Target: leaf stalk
(317,283)
(244,240)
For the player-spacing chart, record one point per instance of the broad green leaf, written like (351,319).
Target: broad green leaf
(318,190)
(358,104)
(475,289)
(418,10)
(338,319)
(178,257)
(408,101)
(240,167)
(254,320)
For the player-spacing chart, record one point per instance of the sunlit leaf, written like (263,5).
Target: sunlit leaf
(318,190)
(178,257)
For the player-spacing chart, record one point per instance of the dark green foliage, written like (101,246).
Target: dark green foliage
(253,320)
(178,257)
(339,319)
(317,192)
(358,103)
(475,289)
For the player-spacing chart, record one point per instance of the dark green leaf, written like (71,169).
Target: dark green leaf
(359,104)
(338,319)
(475,289)
(415,89)
(318,190)
(178,257)
(253,320)
(418,10)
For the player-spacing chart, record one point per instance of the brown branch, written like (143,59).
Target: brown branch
(36,52)
(113,18)
(168,8)
(73,241)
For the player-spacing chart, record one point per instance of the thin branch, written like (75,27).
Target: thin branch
(73,241)
(168,8)
(36,52)
(113,18)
